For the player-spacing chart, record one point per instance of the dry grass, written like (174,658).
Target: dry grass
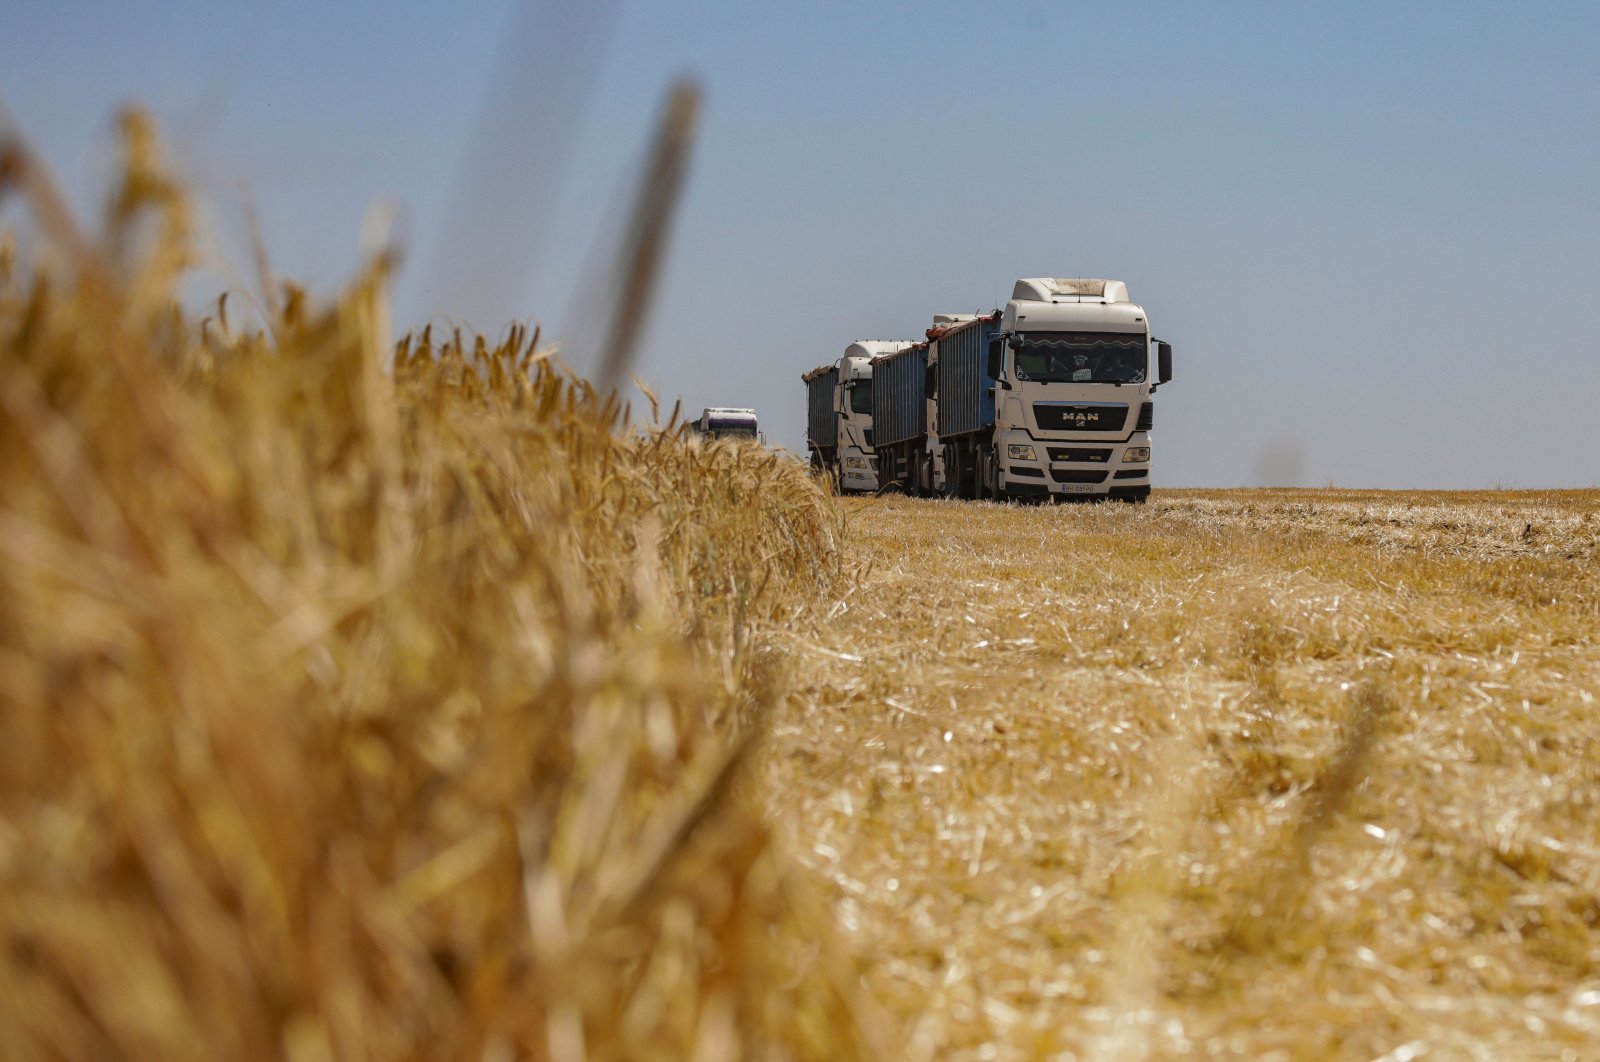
(355,714)
(1267,774)
(437,713)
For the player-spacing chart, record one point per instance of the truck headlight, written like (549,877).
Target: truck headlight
(1136,453)
(1021,452)
(855,462)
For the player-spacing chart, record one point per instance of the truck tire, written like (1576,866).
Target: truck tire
(988,474)
(887,480)
(957,475)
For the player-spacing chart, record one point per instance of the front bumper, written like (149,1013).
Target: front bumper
(1070,466)
(858,481)
(856,477)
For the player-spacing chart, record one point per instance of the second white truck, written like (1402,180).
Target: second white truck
(839,414)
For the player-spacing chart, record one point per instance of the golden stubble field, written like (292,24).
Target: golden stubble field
(365,697)
(1262,774)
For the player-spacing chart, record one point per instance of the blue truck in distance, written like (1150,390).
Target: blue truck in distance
(1049,398)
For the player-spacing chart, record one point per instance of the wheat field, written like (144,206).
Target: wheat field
(365,697)
(1258,774)
(376,700)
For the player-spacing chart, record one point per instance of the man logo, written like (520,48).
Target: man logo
(1054,417)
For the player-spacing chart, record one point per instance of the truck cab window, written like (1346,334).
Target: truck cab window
(1083,357)
(732,429)
(861,397)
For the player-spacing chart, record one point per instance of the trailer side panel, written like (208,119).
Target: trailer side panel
(966,390)
(899,407)
(822,421)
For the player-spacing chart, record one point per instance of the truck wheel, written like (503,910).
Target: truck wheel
(989,474)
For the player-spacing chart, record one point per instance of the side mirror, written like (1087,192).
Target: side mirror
(1014,341)
(930,381)
(1163,361)
(996,351)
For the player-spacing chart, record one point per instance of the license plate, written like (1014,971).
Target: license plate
(1077,488)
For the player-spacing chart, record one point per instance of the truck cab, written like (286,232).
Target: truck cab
(1074,369)
(1050,397)
(839,414)
(858,466)
(728,422)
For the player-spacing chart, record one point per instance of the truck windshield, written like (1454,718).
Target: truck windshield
(1083,357)
(732,429)
(861,397)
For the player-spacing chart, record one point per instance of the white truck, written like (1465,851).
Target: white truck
(839,414)
(727,422)
(1049,398)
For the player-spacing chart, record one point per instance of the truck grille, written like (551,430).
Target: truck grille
(1078,453)
(1087,416)
(1074,475)
(1147,417)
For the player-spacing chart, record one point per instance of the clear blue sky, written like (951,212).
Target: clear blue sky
(1370,230)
